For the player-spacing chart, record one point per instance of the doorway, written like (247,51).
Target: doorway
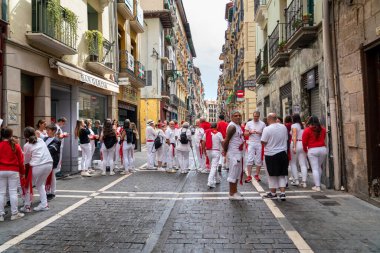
(371,87)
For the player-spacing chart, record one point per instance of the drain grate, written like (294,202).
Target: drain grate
(319,197)
(330,203)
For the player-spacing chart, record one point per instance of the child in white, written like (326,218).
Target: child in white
(37,155)
(183,149)
(213,154)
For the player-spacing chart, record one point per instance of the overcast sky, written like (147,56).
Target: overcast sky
(206,18)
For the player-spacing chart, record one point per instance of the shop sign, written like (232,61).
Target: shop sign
(140,15)
(129,93)
(126,106)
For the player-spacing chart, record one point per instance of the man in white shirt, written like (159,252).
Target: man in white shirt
(233,147)
(198,138)
(61,135)
(254,130)
(170,134)
(183,147)
(212,143)
(274,139)
(150,137)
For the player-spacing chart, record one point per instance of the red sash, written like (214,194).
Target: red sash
(27,182)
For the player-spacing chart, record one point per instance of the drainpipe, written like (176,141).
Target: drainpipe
(332,104)
(4,17)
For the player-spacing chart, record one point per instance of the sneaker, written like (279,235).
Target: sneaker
(184,172)
(171,171)
(17,216)
(112,173)
(236,196)
(25,209)
(41,208)
(161,169)
(270,195)
(50,196)
(303,184)
(1,217)
(257,178)
(295,183)
(316,188)
(123,172)
(211,185)
(91,170)
(103,173)
(248,179)
(205,171)
(282,196)
(85,174)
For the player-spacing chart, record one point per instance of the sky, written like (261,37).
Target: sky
(206,18)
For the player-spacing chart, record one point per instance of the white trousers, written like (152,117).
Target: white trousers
(170,156)
(213,156)
(40,174)
(276,182)
(117,153)
(160,153)
(92,144)
(86,156)
(108,158)
(127,156)
(300,157)
(10,179)
(235,166)
(151,154)
(60,156)
(201,157)
(254,154)
(183,159)
(316,158)
(53,186)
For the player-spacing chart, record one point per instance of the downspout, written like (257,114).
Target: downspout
(4,17)
(329,69)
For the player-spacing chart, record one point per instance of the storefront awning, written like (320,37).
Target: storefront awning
(80,75)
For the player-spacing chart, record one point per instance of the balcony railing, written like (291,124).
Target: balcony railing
(174,100)
(262,66)
(134,69)
(101,59)
(293,16)
(278,55)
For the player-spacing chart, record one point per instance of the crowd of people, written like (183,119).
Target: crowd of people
(231,146)
(282,147)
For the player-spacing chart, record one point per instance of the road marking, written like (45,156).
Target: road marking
(171,198)
(293,234)
(79,191)
(67,196)
(172,193)
(12,242)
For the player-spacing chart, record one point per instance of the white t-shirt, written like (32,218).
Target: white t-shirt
(199,134)
(161,133)
(255,126)
(217,139)
(276,137)
(170,135)
(236,140)
(37,153)
(180,146)
(150,133)
(299,131)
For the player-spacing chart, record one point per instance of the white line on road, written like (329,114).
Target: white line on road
(170,198)
(80,191)
(171,193)
(38,227)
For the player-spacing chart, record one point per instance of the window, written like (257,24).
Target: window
(149,78)
(93,18)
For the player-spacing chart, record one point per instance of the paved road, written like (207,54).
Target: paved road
(158,212)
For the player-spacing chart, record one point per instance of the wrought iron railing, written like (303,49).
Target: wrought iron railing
(174,100)
(127,62)
(62,27)
(296,18)
(277,40)
(262,61)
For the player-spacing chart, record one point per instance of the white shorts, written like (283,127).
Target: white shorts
(235,167)
(254,154)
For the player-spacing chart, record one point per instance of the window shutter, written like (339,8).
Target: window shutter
(149,78)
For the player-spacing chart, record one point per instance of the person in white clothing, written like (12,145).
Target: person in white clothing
(183,147)
(212,143)
(38,157)
(298,154)
(233,147)
(160,151)
(198,146)
(93,137)
(254,130)
(82,133)
(41,129)
(61,135)
(171,144)
(150,137)
(109,140)
(275,139)
(127,147)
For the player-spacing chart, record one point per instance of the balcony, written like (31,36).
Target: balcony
(174,100)
(55,35)
(300,28)
(132,69)
(262,66)
(278,54)
(261,12)
(125,8)
(137,24)
(100,58)
(165,93)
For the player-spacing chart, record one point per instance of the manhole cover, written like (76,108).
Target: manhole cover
(330,203)
(319,197)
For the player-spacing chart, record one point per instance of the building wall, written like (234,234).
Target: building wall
(149,110)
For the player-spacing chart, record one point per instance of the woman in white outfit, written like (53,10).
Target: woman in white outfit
(150,137)
(298,155)
(41,129)
(136,137)
(313,141)
(184,147)
(212,143)
(109,140)
(82,132)
(127,139)
(38,157)
(93,137)
(160,150)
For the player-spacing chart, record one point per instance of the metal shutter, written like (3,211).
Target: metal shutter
(315,102)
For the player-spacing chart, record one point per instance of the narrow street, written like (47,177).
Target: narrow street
(151,211)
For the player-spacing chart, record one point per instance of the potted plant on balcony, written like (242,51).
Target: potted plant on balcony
(95,44)
(297,23)
(282,47)
(307,19)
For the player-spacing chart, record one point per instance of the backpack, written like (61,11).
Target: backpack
(183,137)
(110,141)
(158,142)
(129,135)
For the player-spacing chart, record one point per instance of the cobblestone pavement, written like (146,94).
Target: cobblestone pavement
(152,211)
